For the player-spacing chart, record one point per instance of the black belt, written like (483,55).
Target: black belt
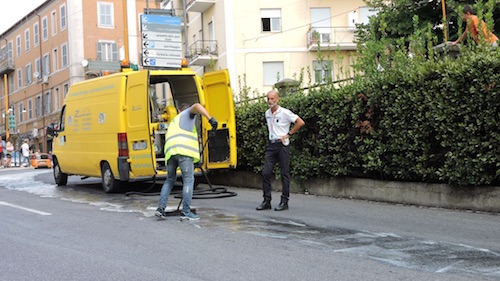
(274,141)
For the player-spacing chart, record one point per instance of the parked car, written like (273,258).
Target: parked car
(40,160)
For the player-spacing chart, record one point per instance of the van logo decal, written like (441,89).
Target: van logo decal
(101,118)
(136,107)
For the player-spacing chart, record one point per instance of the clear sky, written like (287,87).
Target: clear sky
(11,11)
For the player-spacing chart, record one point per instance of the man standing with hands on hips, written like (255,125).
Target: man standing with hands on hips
(278,121)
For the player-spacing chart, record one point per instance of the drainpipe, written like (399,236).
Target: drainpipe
(44,141)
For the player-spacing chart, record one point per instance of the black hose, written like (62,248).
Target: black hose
(211,193)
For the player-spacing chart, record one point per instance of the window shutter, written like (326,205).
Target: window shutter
(115,51)
(99,51)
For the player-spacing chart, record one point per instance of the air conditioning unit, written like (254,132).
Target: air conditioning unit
(45,79)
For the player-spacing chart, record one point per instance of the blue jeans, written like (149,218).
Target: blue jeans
(186,165)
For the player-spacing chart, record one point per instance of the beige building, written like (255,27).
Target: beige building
(260,42)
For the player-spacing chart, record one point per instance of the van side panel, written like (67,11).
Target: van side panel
(138,116)
(93,115)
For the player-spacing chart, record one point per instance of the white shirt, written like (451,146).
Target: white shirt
(26,149)
(278,123)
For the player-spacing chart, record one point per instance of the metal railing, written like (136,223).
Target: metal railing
(203,47)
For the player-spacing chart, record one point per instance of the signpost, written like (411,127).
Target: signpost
(161,41)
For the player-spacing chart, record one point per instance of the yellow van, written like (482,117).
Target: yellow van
(114,126)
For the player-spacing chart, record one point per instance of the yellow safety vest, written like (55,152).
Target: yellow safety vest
(181,142)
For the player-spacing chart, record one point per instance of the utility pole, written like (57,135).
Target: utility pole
(125,31)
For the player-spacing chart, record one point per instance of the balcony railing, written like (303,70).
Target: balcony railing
(6,66)
(199,6)
(203,52)
(331,38)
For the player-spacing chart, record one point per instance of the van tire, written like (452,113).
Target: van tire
(109,184)
(59,177)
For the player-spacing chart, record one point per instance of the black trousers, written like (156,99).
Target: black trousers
(276,152)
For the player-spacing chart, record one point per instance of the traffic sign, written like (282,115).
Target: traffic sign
(161,41)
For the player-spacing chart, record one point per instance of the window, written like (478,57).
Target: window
(47,103)
(273,72)
(11,83)
(36,35)
(323,71)
(10,52)
(45,29)
(37,69)
(28,74)
(62,11)
(66,89)
(53,23)
(27,42)
(30,109)
(19,78)
(107,51)
(21,113)
(64,55)
(105,15)
(46,64)
(271,20)
(321,23)
(211,36)
(18,45)
(56,99)
(55,60)
(38,106)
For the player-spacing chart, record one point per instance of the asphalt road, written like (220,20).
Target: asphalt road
(80,233)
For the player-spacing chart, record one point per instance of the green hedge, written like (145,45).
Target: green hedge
(425,121)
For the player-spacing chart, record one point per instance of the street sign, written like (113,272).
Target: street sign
(161,41)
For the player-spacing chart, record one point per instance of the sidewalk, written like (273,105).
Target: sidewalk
(475,198)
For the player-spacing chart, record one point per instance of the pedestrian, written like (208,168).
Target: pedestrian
(182,150)
(473,27)
(278,120)
(2,152)
(9,147)
(25,150)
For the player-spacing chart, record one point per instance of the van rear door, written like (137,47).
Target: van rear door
(221,152)
(137,125)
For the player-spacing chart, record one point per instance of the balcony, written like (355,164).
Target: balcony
(203,52)
(331,39)
(6,66)
(199,6)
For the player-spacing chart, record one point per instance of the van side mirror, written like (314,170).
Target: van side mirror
(52,130)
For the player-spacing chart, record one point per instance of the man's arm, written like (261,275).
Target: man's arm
(462,37)
(198,108)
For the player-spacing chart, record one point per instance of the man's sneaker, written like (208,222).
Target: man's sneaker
(160,213)
(190,216)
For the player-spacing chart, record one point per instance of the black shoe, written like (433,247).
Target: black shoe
(282,207)
(266,205)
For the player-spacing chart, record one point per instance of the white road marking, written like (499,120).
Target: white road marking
(25,209)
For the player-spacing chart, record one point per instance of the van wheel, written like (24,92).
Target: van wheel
(59,177)
(109,184)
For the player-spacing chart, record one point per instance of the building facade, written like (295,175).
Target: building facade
(263,42)
(57,44)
